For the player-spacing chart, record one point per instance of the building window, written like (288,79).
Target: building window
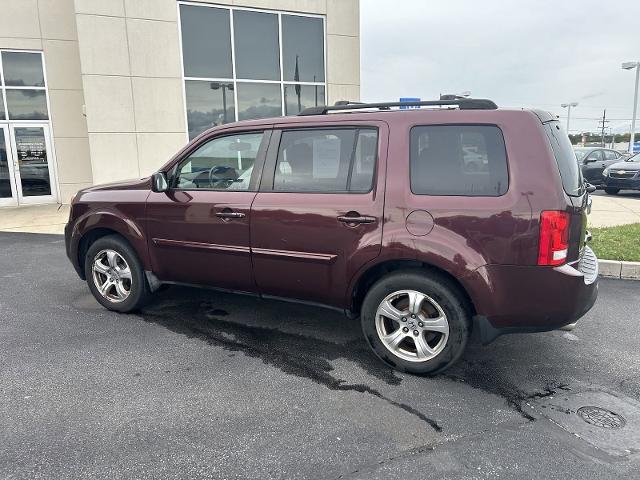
(23,93)
(244,64)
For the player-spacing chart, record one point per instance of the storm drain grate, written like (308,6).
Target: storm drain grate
(601,417)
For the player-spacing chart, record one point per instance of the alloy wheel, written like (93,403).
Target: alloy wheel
(412,325)
(111,275)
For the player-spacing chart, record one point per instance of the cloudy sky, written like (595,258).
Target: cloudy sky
(525,53)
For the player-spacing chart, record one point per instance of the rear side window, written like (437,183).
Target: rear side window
(464,160)
(563,151)
(326,160)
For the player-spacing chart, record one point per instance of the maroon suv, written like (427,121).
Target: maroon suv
(427,222)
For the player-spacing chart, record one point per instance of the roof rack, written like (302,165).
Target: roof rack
(461,103)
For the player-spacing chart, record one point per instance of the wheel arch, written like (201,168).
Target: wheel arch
(371,275)
(99,225)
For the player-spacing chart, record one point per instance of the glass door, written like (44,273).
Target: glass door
(33,173)
(8,195)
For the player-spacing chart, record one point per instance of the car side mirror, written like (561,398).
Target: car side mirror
(159,182)
(588,160)
(591,188)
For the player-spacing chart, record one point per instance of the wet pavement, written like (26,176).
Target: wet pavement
(208,385)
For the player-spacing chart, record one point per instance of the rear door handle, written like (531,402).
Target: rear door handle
(228,214)
(356,219)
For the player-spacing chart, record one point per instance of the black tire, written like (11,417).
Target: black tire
(138,288)
(611,190)
(445,293)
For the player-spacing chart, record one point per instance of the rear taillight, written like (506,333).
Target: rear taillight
(554,237)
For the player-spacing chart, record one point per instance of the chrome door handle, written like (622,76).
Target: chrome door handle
(356,220)
(224,215)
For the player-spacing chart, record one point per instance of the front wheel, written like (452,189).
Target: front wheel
(611,190)
(415,321)
(115,275)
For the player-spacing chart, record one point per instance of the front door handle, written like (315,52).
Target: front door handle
(227,214)
(356,219)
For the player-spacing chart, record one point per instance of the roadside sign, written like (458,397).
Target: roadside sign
(408,99)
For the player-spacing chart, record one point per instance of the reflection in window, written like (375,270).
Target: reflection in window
(224,163)
(22,69)
(256,44)
(273,66)
(208,104)
(2,111)
(259,100)
(27,104)
(5,178)
(326,160)
(302,49)
(206,42)
(298,97)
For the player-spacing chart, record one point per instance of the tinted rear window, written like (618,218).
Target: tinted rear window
(563,151)
(465,160)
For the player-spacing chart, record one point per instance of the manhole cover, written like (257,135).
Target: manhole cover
(601,417)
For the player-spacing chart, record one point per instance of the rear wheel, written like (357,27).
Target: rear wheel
(115,275)
(416,322)
(611,190)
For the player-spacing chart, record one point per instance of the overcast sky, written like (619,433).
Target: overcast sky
(526,53)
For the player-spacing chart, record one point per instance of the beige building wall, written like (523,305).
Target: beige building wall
(114,77)
(132,75)
(49,26)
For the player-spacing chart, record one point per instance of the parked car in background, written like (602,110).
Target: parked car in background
(427,224)
(624,175)
(593,161)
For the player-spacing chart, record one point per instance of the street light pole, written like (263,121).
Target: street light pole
(568,107)
(631,66)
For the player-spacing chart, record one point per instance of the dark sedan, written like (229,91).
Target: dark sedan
(593,161)
(623,175)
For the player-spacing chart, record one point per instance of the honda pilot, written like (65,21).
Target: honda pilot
(426,223)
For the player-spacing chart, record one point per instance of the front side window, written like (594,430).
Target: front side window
(595,156)
(326,160)
(244,64)
(465,160)
(224,163)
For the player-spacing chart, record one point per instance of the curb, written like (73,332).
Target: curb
(618,269)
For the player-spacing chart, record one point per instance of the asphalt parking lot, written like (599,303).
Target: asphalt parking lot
(208,385)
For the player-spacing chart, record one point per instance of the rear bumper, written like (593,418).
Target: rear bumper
(528,299)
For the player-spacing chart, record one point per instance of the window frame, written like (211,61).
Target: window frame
(4,88)
(235,79)
(506,157)
(258,165)
(271,163)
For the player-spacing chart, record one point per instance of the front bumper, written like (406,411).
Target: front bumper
(623,183)
(528,299)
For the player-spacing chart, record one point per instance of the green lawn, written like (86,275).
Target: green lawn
(617,243)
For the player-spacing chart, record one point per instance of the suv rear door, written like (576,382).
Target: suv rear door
(317,218)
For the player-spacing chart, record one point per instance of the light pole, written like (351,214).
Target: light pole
(224,87)
(631,66)
(568,106)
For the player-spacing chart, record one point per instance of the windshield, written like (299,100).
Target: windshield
(635,158)
(580,154)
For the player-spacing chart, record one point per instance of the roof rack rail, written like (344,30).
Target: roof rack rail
(461,103)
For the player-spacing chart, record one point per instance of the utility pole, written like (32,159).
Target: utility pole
(604,122)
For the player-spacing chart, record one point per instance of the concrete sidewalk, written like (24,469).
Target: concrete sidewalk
(606,211)
(34,218)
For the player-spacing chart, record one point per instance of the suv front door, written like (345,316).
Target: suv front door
(318,216)
(198,231)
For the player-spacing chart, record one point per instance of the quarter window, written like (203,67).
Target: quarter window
(466,160)
(224,163)
(326,160)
